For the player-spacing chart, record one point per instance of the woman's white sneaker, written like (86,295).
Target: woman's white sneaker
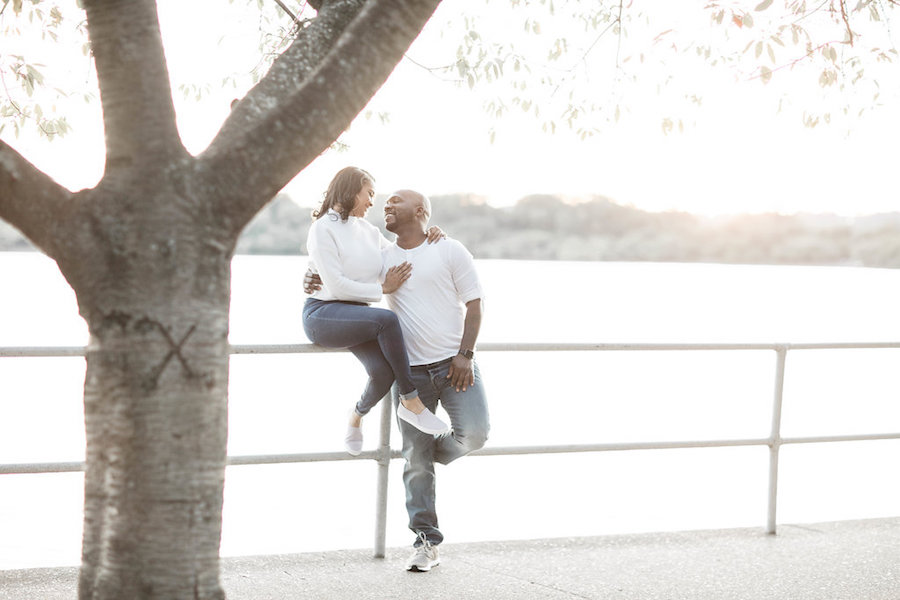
(353,439)
(425,421)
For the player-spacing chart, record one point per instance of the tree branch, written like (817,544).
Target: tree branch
(138,113)
(30,200)
(846,20)
(288,12)
(303,104)
(290,69)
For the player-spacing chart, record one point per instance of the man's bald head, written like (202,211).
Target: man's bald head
(416,199)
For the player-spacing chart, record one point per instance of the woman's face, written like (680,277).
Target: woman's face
(363,200)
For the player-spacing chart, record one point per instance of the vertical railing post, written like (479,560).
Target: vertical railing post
(775,438)
(384,462)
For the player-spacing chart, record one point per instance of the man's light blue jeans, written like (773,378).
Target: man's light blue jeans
(469,427)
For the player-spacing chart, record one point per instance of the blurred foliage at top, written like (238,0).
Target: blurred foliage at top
(575,64)
(584,64)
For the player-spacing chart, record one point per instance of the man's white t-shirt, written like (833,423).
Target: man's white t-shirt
(431,303)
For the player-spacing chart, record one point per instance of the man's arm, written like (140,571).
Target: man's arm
(311,281)
(396,276)
(461,374)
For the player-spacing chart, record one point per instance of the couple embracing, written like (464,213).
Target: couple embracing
(422,348)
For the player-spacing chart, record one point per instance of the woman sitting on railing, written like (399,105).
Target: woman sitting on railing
(345,249)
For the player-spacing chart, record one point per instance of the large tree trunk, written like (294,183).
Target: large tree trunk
(155,417)
(154,290)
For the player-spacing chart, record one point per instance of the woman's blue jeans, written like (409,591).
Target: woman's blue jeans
(372,334)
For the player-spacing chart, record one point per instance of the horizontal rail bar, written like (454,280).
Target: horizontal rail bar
(826,439)
(36,468)
(525,347)
(844,346)
(614,447)
(41,351)
(591,347)
(281,349)
(64,351)
(272,459)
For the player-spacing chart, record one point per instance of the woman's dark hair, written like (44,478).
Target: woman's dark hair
(342,192)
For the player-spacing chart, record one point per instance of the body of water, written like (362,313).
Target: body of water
(289,404)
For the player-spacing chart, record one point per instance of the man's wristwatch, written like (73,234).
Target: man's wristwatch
(467,353)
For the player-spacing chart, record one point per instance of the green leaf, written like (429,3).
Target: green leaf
(34,74)
(765,73)
(763,5)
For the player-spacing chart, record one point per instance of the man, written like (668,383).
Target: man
(439,309)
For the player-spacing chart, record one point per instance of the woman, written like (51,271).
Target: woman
(345,249)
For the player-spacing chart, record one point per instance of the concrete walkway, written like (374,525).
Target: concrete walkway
(850,560)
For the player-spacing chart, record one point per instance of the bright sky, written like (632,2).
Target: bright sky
(739,157)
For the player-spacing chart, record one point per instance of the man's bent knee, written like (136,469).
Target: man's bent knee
(473,440)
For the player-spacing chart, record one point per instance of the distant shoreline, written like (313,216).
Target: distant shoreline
(546,227)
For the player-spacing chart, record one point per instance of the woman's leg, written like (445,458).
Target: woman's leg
(381,377)
(343,325)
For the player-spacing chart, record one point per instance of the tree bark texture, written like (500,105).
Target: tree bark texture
(148,253)
(151,271)
(156,422)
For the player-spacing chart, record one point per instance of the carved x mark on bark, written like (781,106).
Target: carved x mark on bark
(174,350)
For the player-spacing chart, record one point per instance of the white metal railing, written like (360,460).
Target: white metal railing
(383,454)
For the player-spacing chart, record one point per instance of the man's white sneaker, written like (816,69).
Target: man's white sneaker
(425,421)
(424,558)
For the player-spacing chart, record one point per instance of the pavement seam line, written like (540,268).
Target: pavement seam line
(523,579)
